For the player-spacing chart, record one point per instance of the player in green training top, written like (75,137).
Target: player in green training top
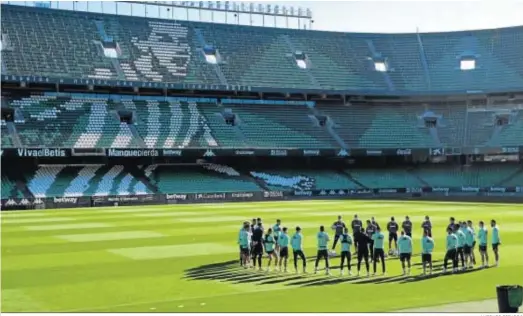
(405,250)
(268,243)
(460,253)
(471,226)
(297,249)
(283,244)
(469,244)
(346,242)
(378,252)
(495,241)
(276,231)
(244,240)
(323,240)
(483,238)
(452,247)
(427,246)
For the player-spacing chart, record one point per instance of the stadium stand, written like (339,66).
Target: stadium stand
(382,126)
(98,121)
(6,138)
(386,178)
(451,123)
(171,124)
(196,179)
(280,126)
(364,74)
(71,122)
(167,51)
(9,189)
(511,134)
(475,175)
(88,180)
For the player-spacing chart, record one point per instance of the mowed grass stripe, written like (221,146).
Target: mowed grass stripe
(290,219)
(33,220)
(317,211)
(352,204)
(180,229)
(110,236)
(225,237)
(174,251)
(68,226)
(223,210)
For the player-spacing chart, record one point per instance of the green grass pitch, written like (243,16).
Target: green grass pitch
(184,258)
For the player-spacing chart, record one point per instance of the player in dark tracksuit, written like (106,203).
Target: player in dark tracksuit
(393,228)
(257,239)
(356,226)
(427,226)
(363,249)
(338,226)
(370,230)
(253,227)
(452,224)
(407,226)
(373,221)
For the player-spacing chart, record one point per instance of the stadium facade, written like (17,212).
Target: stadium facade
(136,110)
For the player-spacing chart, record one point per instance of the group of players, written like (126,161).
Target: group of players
(368,244)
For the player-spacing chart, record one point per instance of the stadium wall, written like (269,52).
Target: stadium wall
(463,194)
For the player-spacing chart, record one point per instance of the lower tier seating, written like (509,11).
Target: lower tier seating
(107,180)
(387,178)
(76,181)
(195,179)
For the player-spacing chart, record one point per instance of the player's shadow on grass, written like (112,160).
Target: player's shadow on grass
(326,281)
(230,271)
(434,263)
(419,278)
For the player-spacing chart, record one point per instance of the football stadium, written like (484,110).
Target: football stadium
(162,165)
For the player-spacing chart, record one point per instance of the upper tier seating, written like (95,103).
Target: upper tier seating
(41,42)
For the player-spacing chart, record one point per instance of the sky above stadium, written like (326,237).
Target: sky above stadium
(349,16)
(406,16)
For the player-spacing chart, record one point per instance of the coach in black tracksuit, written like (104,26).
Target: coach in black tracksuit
(363,242)
(356,226)
(257,240)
